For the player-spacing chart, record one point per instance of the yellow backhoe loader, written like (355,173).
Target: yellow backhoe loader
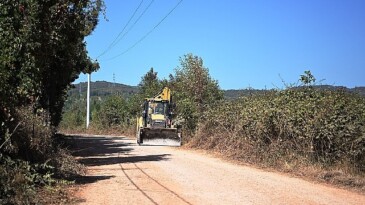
(155,126)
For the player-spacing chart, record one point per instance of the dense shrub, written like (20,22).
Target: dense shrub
(74,115)
(31,157)
(113,111)
(16,185)
(193,90)
(42,51)
(305,124)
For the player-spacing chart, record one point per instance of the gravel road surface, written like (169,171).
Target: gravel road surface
(121,172)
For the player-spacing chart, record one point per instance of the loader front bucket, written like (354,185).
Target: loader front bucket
(159,136)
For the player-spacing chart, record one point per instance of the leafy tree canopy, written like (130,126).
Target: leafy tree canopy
(42,50)
(194,89)
(150,85)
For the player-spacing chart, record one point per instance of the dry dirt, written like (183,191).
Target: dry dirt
(121,172)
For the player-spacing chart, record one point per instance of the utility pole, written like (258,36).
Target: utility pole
(80,90)
(113,87)
(88,101)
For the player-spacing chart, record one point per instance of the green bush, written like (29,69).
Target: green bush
(16,181)
(321,126)
(42,51)
(74,115)
(31,157)
(112,112)
(193,91)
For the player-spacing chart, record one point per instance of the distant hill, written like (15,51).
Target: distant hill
(103,88)
(360,90)
(234,94)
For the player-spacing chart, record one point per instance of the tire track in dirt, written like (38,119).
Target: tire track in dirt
(137,187)
(152,179)
(172,192)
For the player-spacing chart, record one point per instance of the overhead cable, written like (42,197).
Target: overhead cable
(147,34)
(135,22)
(120,33)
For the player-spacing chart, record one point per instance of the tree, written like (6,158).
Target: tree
(307,78)
(113,111)
(42,50)
(149,86)
(194,89)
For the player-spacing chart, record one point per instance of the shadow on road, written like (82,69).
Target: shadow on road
(98,151)
(81,146)
(118,160)
(90,179)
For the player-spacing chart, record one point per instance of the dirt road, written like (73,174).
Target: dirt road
(121,172)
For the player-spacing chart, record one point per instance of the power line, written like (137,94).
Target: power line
(135,22)
(120,33)
(148,33)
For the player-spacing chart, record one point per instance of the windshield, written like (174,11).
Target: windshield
(158,107)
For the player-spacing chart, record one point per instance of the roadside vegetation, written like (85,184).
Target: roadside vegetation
(42,51)
(303,130)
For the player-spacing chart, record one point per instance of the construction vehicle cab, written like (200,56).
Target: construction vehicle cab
(155,126)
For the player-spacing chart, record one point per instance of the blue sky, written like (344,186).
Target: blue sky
(243,42)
